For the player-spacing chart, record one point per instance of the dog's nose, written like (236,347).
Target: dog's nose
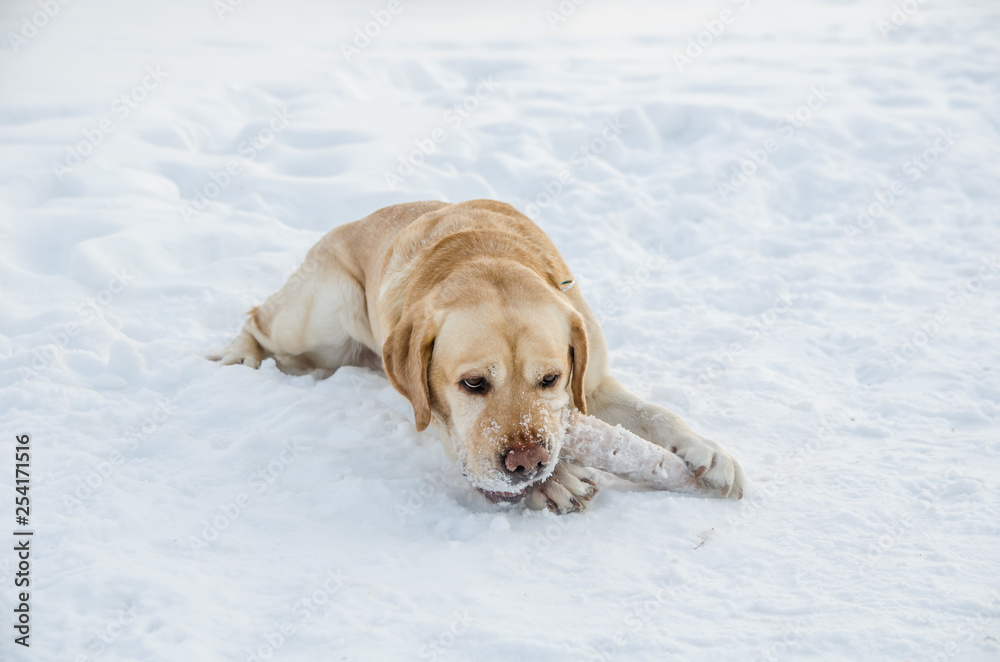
(525,460)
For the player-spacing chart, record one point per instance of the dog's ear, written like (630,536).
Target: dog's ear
(578,353)
(406,356)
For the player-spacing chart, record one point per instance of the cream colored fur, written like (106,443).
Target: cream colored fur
(439,293)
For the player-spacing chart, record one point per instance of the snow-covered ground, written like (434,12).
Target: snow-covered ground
(830,317)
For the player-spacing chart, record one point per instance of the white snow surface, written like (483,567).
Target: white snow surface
(184,511)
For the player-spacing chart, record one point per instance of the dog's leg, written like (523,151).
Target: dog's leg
(712,465)
(596,443)
(244,349)
(317,322)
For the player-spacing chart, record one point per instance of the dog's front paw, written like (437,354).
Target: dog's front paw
(716,471)
(567,490)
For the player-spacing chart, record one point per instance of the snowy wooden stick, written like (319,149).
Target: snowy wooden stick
(594,443)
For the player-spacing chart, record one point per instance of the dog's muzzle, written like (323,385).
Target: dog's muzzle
(502,497)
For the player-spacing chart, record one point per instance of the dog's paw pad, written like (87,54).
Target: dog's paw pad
(567,490)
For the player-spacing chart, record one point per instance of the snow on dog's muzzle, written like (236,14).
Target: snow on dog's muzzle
(524,465)
(526,461)
(502,497)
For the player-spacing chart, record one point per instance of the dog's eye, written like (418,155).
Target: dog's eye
(549,380)
(475,384)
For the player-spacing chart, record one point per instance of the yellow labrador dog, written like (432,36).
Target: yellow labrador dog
(478,324)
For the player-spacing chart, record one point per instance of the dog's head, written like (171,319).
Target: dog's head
(496,363)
